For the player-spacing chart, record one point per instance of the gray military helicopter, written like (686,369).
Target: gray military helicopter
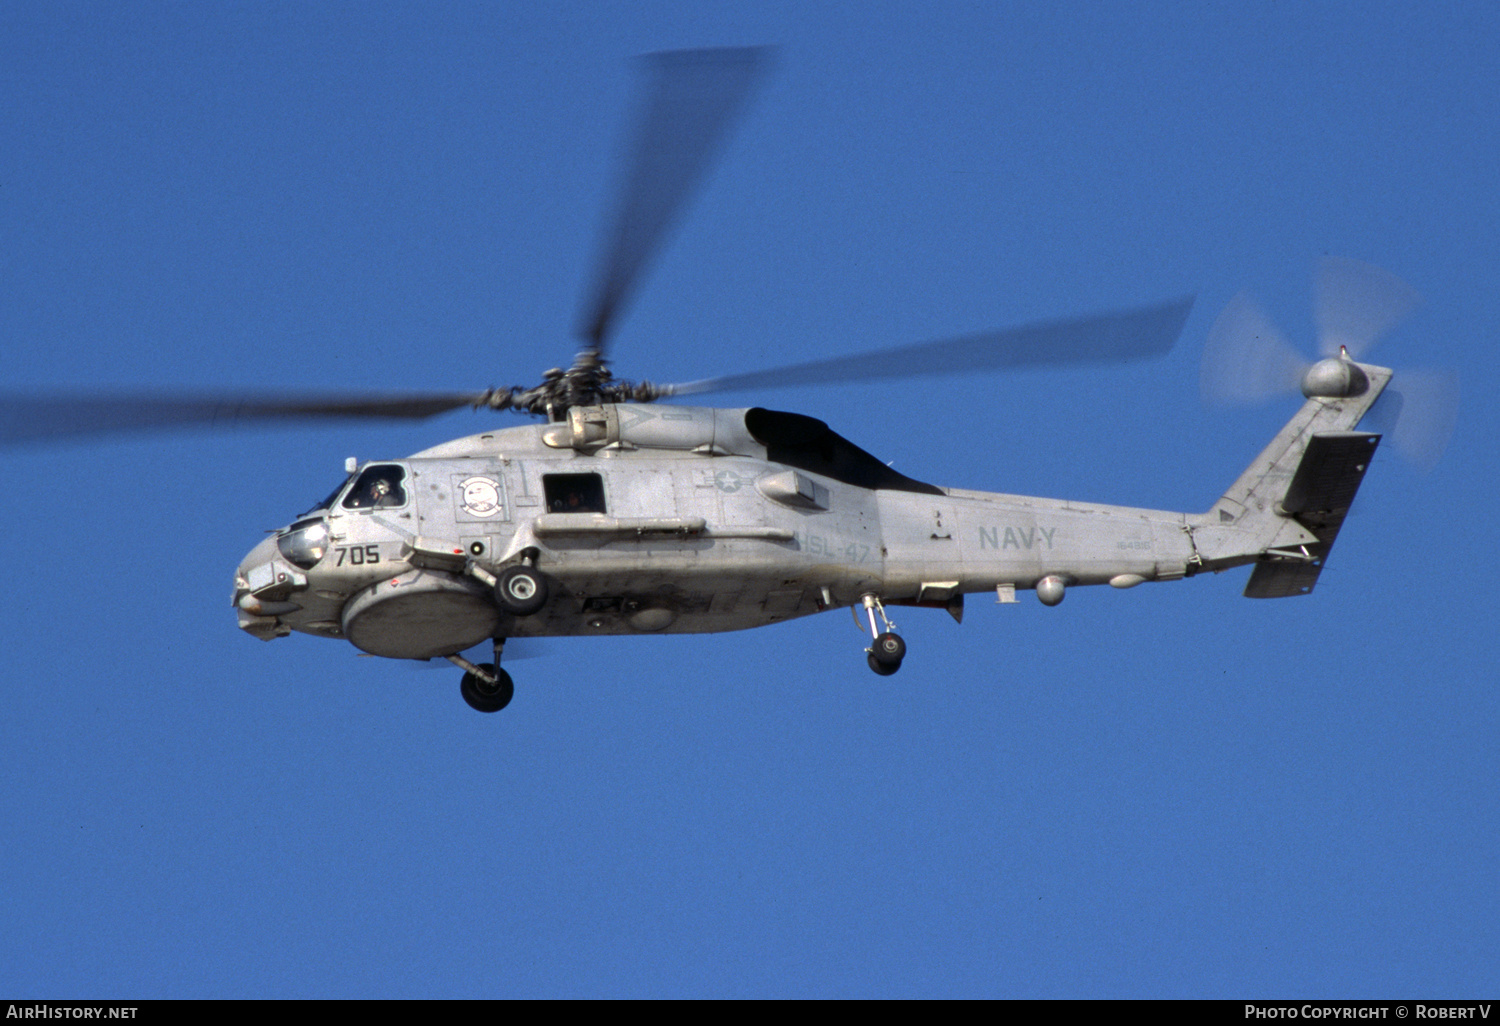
(623,514)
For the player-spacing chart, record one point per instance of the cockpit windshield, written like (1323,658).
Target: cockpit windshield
(380,485)
(328,502)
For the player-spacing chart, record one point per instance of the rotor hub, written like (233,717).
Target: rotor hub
(1337,377)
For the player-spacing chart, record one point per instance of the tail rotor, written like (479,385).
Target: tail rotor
(1249,360)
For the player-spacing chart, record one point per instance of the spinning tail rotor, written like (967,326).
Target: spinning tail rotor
(1249,360)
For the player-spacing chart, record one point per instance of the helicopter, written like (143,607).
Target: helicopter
(621,513)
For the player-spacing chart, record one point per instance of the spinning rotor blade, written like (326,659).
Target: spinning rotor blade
(1417,413)
(1357,304)
(34,418)
(693,98)
(1110,337)
(1247,359)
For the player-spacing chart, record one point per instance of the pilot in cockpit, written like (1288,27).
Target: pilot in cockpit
(378,487)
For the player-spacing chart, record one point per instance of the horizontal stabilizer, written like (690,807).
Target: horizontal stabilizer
(1319,496)
(1283,578)
(1330,472)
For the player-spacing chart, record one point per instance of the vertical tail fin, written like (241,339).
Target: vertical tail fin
(1285,510)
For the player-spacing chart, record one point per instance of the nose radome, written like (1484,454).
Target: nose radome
(254,619)
(262,554)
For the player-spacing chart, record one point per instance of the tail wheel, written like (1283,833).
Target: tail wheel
(888,650)
(520,590)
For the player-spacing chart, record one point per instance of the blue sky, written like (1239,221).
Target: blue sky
(1170,791)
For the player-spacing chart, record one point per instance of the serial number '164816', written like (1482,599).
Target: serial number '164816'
(818,545)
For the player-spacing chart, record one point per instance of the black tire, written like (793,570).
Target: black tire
(484,696)
(888,650)
(881,668)
(520,590)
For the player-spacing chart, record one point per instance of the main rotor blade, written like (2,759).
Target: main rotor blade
(35,418)
(692,99)
(1110,337)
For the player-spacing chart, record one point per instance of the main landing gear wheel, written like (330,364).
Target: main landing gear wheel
(520,590)
(484,696)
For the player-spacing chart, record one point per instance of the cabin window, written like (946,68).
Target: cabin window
(380,486)
(573,493)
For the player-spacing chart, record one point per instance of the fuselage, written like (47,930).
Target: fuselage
(649,518)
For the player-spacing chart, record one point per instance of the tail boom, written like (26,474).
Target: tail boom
(1285,510)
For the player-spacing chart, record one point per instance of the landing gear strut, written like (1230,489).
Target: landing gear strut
(886,647)
(485,686)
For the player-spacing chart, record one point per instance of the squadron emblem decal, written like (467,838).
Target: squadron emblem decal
(481,496)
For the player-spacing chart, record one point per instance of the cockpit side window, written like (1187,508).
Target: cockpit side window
(573,493)
(380,486)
